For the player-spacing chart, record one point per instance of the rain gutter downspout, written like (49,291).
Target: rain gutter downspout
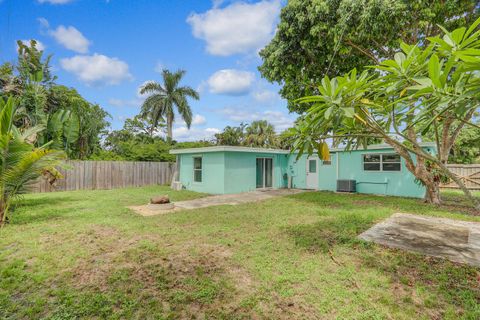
(337,156)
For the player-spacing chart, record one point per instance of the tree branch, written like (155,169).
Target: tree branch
(366,52)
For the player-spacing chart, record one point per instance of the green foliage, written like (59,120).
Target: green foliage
(318,38)
(466,149)
(420,90)
(259,133)
(20,162)
(72,123)
(192,144)
(165,99)
(31,65)
(143,124)
(231,136)
(135,142)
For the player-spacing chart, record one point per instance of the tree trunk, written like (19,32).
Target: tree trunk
(169,128)
(3,212)
(432,194)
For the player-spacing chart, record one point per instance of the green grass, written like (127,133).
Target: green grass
(75,255)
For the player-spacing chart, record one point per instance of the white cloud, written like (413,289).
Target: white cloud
(198,120)
(70,38)
(125,103)
(44,23)
(97,69)
(238,28)
(265,96)
(40,45)
(231,82)
(182,133)
(280,120)
(55,1)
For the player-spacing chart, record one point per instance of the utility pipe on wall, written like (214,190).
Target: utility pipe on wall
(337,160)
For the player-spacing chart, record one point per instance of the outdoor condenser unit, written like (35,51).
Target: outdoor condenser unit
(346,185)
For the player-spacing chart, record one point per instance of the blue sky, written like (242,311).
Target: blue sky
(107,48)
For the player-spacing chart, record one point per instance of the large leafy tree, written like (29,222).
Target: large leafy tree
(135,142)
(20,162)
(143,124)
(168,98)
(431,89)
(317,38)
(68,120)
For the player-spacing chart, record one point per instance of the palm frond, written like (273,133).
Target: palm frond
(151,87)
(189,92)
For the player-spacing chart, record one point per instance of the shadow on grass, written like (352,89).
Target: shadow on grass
(331,231)
(453,202)
(43,201)
(25,211)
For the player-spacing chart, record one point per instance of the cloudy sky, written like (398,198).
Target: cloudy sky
(107,48)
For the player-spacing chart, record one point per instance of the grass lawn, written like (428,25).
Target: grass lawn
(82,254)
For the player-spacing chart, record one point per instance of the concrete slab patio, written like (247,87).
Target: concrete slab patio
(457,241)
(217,200)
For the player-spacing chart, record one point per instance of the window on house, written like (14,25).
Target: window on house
(391,162)
(312,166)
(381,162)
(197,169)
(327,162)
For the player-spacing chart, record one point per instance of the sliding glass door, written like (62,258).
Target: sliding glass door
(264,172)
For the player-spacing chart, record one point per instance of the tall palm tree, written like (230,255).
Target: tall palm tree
(20,162)
(261,134)
(164,98)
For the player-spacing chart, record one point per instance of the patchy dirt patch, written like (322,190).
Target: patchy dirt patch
(188,280)
(154,209)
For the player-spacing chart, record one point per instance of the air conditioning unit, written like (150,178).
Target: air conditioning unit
(346,186)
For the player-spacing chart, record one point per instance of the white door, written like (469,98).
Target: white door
(312,173)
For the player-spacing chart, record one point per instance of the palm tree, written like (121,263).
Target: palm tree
(20,162)
(164,98)
(261,134)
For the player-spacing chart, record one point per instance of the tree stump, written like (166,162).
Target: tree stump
(160,200)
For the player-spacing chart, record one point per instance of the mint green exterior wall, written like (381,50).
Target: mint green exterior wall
(394,183)
(240,170)
(235,171)
(229,172)
(213,173)
(297,170)
(350,166)
(327,179)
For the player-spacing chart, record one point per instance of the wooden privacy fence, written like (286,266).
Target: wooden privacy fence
(91,175)
(468,173)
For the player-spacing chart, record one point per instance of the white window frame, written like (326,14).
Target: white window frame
(381,162)
(201,168)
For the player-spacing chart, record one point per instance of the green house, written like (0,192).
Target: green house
(228,169)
